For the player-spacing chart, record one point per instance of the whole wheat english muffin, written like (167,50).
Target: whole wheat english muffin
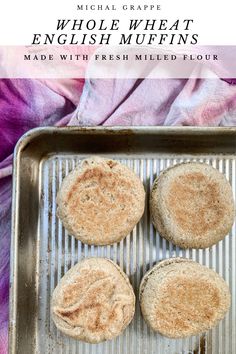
(94,301)
(180,298)
(192,205)
(100,201)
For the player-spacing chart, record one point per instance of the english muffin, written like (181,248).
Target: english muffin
(181,298)
(94,301)
(192,205)
(100,201)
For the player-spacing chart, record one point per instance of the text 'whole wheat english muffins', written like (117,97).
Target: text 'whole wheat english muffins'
(192,205)
(181,298)
(100,201)
(94,301)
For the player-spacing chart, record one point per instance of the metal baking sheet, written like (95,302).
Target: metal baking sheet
(42,251)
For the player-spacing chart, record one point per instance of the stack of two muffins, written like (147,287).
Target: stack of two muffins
(99,203)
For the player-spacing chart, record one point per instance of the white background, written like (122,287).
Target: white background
(214,20)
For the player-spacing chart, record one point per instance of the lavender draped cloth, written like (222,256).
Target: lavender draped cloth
(25,104)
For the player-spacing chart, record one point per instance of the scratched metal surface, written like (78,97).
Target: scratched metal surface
(52,252)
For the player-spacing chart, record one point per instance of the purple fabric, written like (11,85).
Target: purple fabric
(25,104)
(204,102)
